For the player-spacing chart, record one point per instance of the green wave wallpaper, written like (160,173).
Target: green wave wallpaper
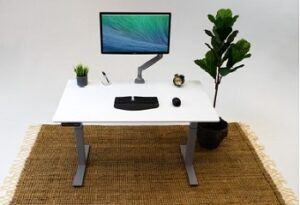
(135,33)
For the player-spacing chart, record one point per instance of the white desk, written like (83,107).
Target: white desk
(95,104)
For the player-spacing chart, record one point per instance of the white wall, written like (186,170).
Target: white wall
(41,40)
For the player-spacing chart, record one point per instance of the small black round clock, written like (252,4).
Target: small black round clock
(178,80)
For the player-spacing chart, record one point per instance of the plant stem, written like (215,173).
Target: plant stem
(216,93)
(217,82)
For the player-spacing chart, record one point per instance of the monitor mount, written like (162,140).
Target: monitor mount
(139,79)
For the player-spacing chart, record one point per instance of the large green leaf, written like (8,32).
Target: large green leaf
(237,52)
(224,13)
(216,44)
(234,19)
(232,36)
(225,70)
(209,64)
(209,33)
(223,32)
(211,18)
(224,18)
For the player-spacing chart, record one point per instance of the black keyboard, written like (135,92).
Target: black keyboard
(136,103)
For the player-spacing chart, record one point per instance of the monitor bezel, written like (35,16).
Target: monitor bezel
(134,13)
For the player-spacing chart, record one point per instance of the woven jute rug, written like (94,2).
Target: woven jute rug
(142,165)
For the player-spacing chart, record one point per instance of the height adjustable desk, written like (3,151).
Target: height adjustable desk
(95,104)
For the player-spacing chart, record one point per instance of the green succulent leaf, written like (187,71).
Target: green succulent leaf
(237,52)
(209,64)
(81,70)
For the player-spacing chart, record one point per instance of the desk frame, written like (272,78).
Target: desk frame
(82,149)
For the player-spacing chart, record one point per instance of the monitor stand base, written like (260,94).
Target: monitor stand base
(139,79)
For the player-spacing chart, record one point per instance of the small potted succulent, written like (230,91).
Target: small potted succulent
(82,75)
(222,58)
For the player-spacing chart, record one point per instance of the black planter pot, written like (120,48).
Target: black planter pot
(211,134)
(82,81)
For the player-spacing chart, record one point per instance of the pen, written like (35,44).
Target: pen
(103,73)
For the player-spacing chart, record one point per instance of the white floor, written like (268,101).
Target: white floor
(41,41)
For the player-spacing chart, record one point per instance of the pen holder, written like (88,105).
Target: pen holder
(104,82)
(82,81)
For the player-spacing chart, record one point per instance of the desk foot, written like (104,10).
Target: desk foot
(188,151)
(189,168)
(79,176)
(82,155)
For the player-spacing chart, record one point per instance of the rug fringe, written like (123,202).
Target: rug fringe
(9,184)
(287,193)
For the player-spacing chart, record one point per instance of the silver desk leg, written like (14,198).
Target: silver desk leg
(187,152)
(82,155)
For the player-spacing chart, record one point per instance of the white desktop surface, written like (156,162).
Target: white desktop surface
(95,103)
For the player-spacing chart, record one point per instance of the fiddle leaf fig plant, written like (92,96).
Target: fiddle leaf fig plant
(224,55)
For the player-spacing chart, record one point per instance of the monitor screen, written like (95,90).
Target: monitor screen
(135,33)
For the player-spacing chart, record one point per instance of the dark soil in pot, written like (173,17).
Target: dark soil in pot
(211,134)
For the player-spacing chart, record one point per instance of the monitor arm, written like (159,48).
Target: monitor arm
(139,79)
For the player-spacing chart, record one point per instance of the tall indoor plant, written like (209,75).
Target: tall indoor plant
(224,57)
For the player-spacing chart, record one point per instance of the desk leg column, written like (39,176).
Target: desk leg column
(187,152)
(82,155)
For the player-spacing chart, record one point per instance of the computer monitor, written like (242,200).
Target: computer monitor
(135,33)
